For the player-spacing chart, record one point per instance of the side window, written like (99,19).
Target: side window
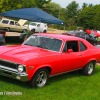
(71,45)
(11,22)
(5,21)
(38,25)
(16,23)
(82,34)
(87,35)
(82,46)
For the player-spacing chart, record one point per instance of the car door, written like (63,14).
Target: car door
(39,28)
(12,25)
(71,60)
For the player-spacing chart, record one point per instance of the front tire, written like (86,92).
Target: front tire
(24,30)
(88,70)
(40,78)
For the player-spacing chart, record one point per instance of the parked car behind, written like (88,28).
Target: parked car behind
(12,25)
(37,27)
(89,37)
(43,55)
(2,40)
(93,32)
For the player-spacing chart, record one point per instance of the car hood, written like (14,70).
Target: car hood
(22,22)
(22,53)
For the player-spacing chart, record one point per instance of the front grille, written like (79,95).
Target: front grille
(8,64)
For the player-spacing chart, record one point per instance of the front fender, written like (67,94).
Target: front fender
(31,72)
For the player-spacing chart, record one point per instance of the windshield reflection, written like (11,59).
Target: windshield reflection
(44,42)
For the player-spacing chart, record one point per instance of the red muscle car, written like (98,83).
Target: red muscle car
(43,55)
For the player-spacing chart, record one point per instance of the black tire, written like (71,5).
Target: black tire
(24,30)
(7,29)
(44,31)
(40,78)
(88,70)
(33,30)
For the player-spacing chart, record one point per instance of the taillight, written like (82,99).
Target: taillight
(3,34)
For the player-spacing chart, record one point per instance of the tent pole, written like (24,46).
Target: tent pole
(52,28)
(39,27)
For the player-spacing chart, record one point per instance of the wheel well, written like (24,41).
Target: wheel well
(47,67)
(33,30)
(93,61)
(44,31)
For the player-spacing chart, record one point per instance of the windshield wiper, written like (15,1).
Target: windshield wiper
(28,44)
(42,47)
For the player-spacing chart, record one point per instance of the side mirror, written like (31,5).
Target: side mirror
(70,50)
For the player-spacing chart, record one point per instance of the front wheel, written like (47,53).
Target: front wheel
(40,78)
(24,30)
(88,70)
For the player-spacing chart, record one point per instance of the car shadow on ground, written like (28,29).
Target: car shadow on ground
(15,82)
(54,79)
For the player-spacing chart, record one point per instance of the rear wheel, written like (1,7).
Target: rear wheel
(33,30)
(40,78)
(88,70)
(44,31)
(7,29)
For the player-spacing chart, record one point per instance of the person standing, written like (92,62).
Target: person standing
(29,34)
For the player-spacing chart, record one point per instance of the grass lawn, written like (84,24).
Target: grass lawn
(69,86)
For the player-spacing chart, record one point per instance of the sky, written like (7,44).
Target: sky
(64,3)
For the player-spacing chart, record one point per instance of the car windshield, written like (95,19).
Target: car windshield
(44,42)
(33,24)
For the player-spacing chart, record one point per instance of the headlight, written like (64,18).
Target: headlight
(20,68)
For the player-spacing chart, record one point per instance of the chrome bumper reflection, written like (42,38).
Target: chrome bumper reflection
(14,74)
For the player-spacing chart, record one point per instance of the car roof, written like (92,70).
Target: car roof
(8,19)
(60,36)
(75,32)
(38,22)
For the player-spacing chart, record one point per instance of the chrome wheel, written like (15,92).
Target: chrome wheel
(41,79)
(90,68)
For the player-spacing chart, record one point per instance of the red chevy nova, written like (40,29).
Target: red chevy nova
(43,55)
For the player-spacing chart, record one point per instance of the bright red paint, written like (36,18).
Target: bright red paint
(93,32)
(58,62)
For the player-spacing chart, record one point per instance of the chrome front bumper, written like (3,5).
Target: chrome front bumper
(13,74)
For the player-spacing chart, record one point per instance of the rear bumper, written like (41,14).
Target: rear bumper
(15,75)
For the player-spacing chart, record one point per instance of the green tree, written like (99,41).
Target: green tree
(40,3)
(84,5)
(72,12)
(96,17)
(7,5)
(86,17)
(90,5)
(53,9)
(72,9)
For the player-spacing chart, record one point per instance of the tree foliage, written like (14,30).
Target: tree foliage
(72,9)
(90,17)
(7,5)
(53,9)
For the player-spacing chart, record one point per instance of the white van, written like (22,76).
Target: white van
(37,27)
